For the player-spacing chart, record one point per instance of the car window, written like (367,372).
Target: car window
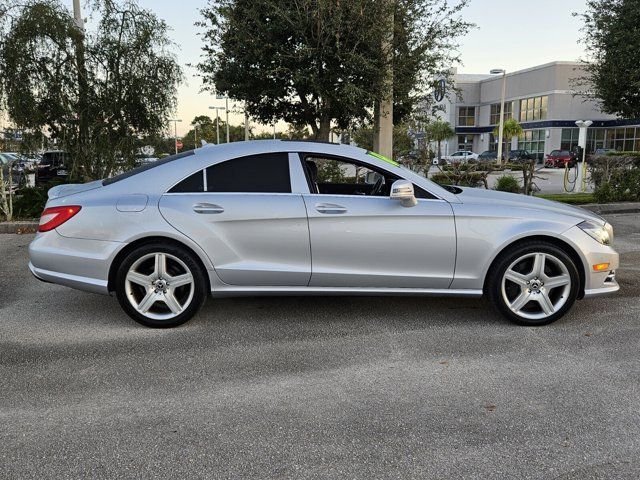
(265,173)
(342,176)
(192,184)
(145,167)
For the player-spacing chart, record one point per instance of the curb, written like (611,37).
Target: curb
(18,227)
(612,208)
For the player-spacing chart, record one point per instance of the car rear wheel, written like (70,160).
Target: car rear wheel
(533,284)
(160,285)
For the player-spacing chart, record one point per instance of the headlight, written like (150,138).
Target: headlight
(600,233)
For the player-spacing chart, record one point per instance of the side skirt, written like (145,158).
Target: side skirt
(241,291)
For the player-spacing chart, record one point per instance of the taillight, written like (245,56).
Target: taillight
(53,217)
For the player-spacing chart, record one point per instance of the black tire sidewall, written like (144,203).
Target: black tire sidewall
(494,284)
(200,284)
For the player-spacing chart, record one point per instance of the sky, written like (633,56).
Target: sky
(510,34)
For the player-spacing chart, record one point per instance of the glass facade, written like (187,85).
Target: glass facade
(625,139)
(465,142)
(534,109)
(495,112)
(533,141)
(467,116)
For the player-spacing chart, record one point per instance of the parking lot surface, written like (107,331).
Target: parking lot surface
(317,387)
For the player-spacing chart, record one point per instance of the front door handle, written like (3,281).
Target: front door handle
(330,208)
(207,208)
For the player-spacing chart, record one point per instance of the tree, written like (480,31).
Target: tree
(511,128)
(439,131)
(99,106)
(320,62)
(612,42)
(206,130)
(402,142)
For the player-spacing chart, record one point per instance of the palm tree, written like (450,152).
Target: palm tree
(439,131)
(511,129)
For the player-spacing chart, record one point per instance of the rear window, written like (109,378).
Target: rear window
(145,167)
(265,173)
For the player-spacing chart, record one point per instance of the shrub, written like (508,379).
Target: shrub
(507,183)
(29,202)
(616,178)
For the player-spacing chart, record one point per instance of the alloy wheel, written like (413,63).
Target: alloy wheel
(159,285)
(536,285)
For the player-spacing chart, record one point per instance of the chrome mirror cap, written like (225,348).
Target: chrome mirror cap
(403,191)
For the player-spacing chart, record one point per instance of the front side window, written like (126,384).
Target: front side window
(264,173)
(337,176)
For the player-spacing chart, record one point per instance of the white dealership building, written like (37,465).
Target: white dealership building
(543,99)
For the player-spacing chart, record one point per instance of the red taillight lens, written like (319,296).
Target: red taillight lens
(55,216)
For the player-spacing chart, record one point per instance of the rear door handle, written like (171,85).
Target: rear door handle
(207,208)
(330,208)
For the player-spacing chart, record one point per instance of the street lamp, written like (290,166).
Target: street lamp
(175,132)
(218,123)
(582,143)
(499,71)
(226,105)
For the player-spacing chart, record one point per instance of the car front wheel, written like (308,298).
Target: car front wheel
(533,284)
(160,285)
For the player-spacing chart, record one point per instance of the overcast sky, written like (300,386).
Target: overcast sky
(511,34)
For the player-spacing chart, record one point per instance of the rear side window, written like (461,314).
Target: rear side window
(145,167)
(265,173)
(193,183)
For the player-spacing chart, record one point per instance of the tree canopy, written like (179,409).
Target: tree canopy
(320,62)
(612,37)
(96,92)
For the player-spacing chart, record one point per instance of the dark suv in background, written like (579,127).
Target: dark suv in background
(55,165)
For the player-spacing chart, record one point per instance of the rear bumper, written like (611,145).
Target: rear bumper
(76,263)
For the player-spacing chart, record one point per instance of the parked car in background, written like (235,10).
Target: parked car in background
(560,159)
(520,156)
(304,218)
(461,156)
(488,156)
(604,151)
(54,165)
(11,170)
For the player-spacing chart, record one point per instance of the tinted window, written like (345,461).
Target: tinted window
(193,183)
(266,173)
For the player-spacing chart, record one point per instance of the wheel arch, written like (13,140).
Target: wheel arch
(130,247)
(561,244)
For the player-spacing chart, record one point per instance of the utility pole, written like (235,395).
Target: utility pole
(175,132)
(383,126)
(218,123)
(83,88)
(497,71)
(246,124)
(226,104)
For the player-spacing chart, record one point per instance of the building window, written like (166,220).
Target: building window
(465,143)
(533,142)
(533,109)
(495,112)
(466,116)
(616,138)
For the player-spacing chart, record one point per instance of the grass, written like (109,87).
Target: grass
(570,198)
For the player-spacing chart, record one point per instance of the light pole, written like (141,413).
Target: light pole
(218,123)
(581,181)
(246,123)
(175,132)
(226,105)
(498,71)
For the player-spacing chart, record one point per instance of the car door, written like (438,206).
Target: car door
(244,215)
(373,241)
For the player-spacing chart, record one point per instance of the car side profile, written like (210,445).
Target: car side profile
(306,218)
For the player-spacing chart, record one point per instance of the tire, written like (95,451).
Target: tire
(533,303)
(161,285)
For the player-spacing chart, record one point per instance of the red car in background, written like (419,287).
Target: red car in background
(560,158)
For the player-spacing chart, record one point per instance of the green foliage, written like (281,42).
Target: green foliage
(616,178)
(206,130)
(612,41)
(470,179)
(439,131)
(95,93)
(330,171)
(322,63)
(402,142)
(30,202)
(507,183)
(570,198)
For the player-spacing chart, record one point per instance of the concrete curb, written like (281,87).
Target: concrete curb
(18,227)
(613,208)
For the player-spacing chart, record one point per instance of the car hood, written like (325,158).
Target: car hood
(492,197)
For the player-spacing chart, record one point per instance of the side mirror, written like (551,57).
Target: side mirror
(403,191)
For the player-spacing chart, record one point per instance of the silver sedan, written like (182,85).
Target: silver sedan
(304,218)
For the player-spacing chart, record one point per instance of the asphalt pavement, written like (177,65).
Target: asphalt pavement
(317,387)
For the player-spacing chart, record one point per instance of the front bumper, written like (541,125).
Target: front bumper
(73,262)
(594,253)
